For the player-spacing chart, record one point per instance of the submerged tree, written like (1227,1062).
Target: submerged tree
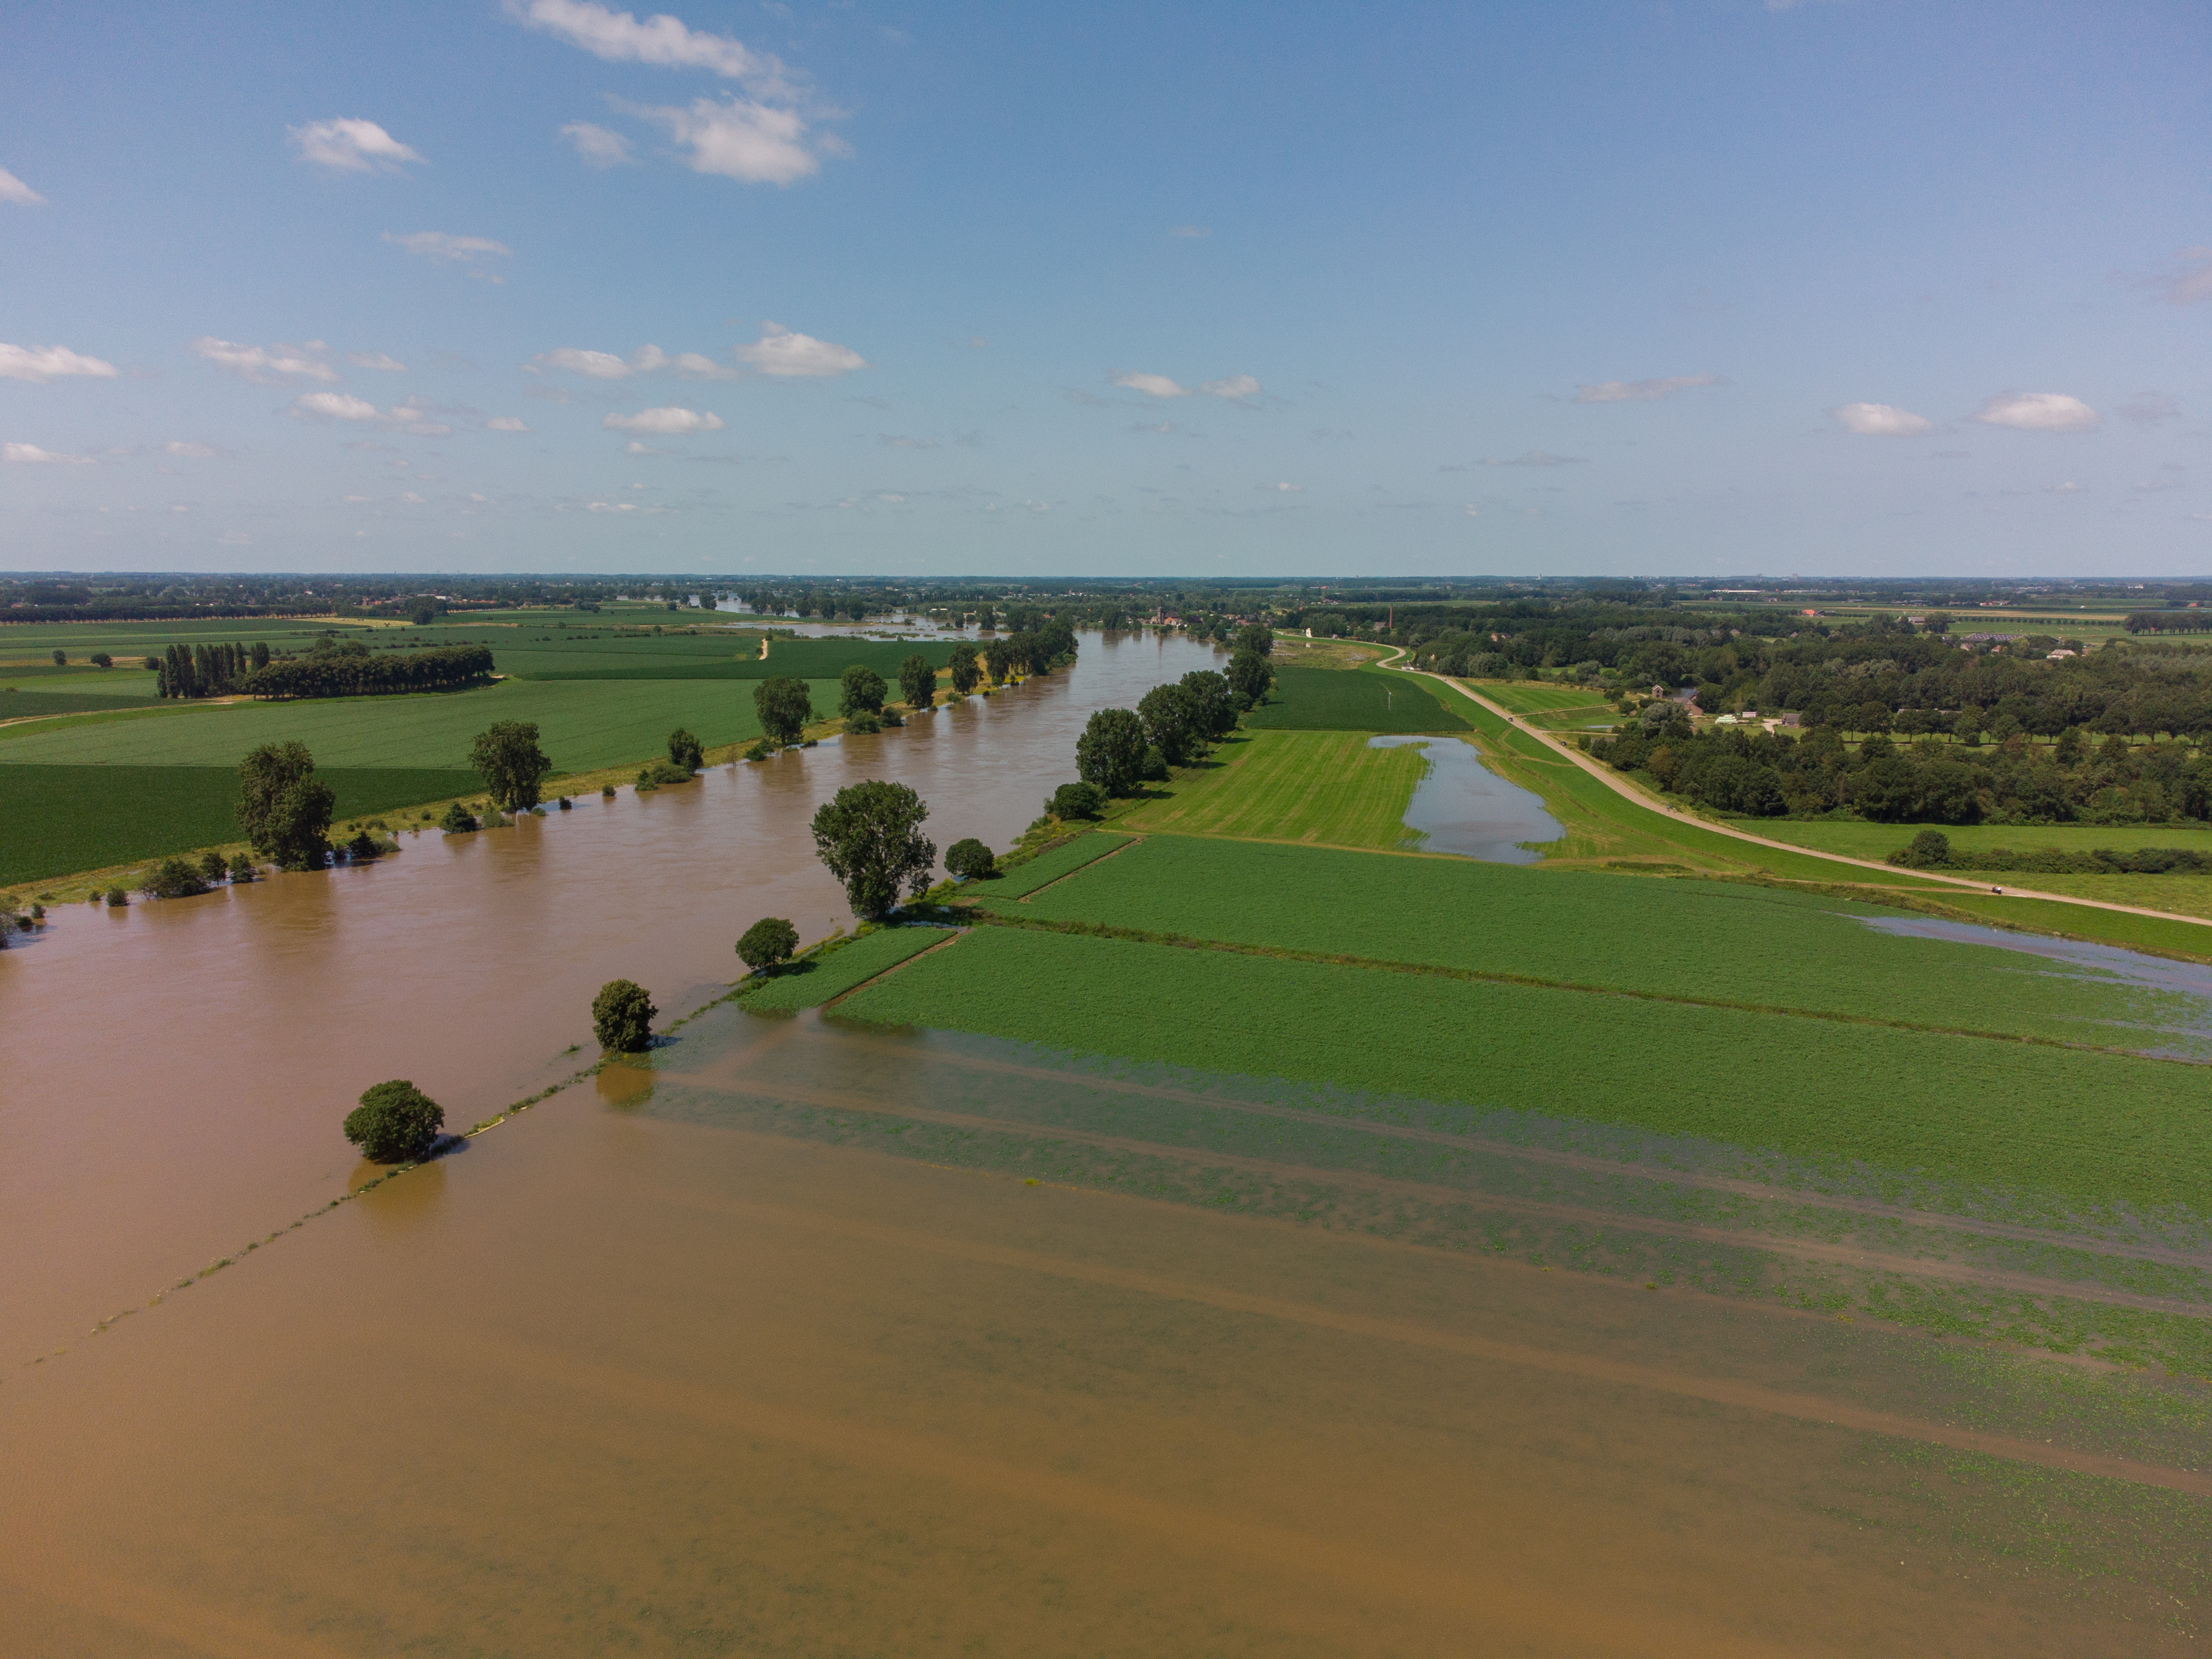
(285,814)
(870,836)
(785,705)
(507,756)
(768,942)
(918,682)
(621,1016)
(965,669)
(395,1122)
(861,691)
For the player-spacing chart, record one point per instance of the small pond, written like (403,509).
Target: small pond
(1462,806)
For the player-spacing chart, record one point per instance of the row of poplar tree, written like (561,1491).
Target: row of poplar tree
(205,670)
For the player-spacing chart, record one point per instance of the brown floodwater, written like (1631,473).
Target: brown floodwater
(802,1337)
(173,1073)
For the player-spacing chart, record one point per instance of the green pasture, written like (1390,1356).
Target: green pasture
(41,704)
(1720,941)
(727,657)
(817,977)
(1327,787)
(1526,699)
(1046,867)
(1855,838)
(120,681)
(582,726)
(25,641)
(2089,1127)
(63,819)
(1355,699)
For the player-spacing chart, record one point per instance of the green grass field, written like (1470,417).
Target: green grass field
(814,979)
(1046,867)
(41,703)
(62,819)
(1528,699)
(1349,700)
(1756,946)
(2092,1127)
(581,725)
(1325,787)
(1860,839)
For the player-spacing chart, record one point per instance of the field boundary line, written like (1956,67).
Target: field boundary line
(1498,976)
(1136,838)
(955,935)
(1628,791)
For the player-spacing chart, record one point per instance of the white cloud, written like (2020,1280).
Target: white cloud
(31,454)
(266,365)
(634,447)
(410,498)
(1193,232)
(1237,385)
(616,37)
(1538,458)
(390,365)
(350,146)
(189,451)
(600,365)
(1882,421)
(15,190)
(345,406)
(507,423)
(598,146)
(447,249)
(668,423)
(787,355)
(2038,411)
(43,363)
(1641,391)
(1159,385)
(739,138)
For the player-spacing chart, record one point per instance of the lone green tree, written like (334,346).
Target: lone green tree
(998,657)
(971,861)
(860,691)
(870,836)
(918,682)
(621,1016)
(1110,753)
(285,813)
(768,942)
(966,671)
(1171,722)
(785,705)
(1249,677)
(685,752)
(507,757)
(395,1122)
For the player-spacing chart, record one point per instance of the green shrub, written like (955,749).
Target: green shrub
(606,792)
(363,846)
(568,805)
(768,942)
(685,753)
(213,866)
(458,821)
(760,751)
(621,1016)
(863,723)
(971,861)
(116,898)
(1077,800)
(395,1123)
(173,878)
(241,868)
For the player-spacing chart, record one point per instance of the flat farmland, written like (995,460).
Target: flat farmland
(582,726)
(1350,700)
(1857,839)
(1529,699)
(1324,787)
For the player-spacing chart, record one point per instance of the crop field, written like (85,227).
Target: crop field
(1528,699)
(1046,867)
(1361,699)
(581,725)
(1322,788)
(1860,839)
(1948,1109)
(815,978)
(1754,946)
(42,703)
(61,819)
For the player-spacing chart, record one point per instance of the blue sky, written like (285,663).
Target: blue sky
(1708,287)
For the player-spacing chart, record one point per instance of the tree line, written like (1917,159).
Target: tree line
(347,669)
(205,670)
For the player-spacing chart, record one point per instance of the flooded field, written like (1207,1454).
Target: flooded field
(1462,806)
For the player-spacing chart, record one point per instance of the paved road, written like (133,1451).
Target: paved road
(1621,786)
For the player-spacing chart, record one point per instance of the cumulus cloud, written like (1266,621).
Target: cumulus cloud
(1641,391)
(345,406)
(507,423)
(739,138)
(787,355)
(2038,411)
(1235,387)
(31,455)
(1882,421)
(15,192)
(43,363)
(350,146)
(186,450)
(1538,458)
(443,248)
(670,422)
(267,365)
(616,37)
(598,146)
(383,361)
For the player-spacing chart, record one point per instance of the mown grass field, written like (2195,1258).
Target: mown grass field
(814,979)
(1857,839)
(1046,867)
(2092,1127)
(1758,946)
(42,703)
(1528,699)
(1355,699)
(61,819)
(581,725)
(1323,788)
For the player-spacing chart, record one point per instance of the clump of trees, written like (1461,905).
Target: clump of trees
(395,1123)
(205,670)
(685,752)
(967,668)
(347,668)
(971,861)
(768,944)
(869,835)
(786,707)
(458,820)
(1110,753)
(621,1016)
(285,812)
(1932,849)
(506,756)
(175,877)
(1173,724)
(918,682)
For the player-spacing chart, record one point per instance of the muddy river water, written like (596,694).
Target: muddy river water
(724,1354)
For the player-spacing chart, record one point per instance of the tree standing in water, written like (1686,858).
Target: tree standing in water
(507,756)
(285,814)
(965,670)
(918,682)
(870,836)
(785,705)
